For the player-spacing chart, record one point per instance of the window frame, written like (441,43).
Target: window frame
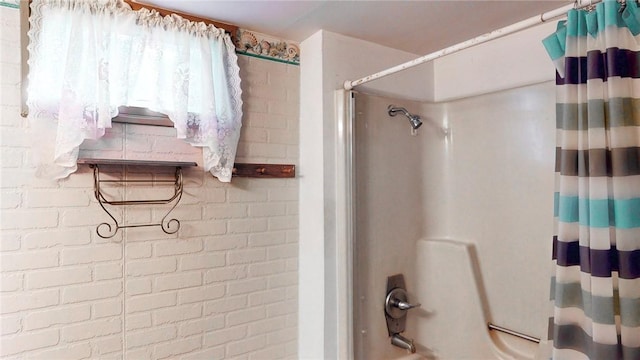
(141,116)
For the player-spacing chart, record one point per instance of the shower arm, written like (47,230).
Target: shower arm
(414,120)
(393,111)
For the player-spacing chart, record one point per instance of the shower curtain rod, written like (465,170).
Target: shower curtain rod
(519,26)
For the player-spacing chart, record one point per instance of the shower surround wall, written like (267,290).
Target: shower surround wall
(327,60)
(488,183)
(487,147)
(224,287)
(389,216)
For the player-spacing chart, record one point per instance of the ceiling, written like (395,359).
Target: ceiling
(418,27)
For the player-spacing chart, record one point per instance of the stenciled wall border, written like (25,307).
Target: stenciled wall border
(263,46)
(15,4)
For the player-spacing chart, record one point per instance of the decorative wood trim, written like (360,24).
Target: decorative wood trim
(137,5)
(239,169)
(264,170)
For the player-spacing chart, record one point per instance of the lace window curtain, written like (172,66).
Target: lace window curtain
(87,58)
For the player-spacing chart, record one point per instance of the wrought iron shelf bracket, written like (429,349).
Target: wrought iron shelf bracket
(168,225)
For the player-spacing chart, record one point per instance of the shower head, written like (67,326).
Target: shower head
(414,120)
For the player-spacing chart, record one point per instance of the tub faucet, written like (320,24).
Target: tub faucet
(396,306)
(402,342)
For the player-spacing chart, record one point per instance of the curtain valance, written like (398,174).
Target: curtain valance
(87,58)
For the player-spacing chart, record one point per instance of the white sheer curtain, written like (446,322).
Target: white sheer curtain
(86,58)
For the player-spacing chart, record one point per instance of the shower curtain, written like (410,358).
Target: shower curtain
(596,250)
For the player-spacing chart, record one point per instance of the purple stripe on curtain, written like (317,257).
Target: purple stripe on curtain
(598,65)
(566,253)
(575,70)
(559,79)
(629,264)
(598,263)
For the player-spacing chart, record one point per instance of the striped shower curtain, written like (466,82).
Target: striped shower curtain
(596,250)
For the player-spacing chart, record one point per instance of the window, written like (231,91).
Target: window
(89,59)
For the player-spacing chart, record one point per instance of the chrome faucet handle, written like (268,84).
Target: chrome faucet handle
(396,304)
(403,305)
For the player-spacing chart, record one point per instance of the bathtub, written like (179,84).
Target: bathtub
(452,323)
(502,347)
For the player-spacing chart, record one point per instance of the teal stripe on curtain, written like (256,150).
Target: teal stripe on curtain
(568,209)
(631,17)
(577,19)
(555,43)
(592,23)
(599,213)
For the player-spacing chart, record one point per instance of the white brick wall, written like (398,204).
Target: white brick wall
(224,287)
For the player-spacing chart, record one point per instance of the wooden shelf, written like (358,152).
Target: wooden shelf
(120,162)
(239,169)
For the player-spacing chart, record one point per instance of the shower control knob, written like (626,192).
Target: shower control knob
(396,304)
